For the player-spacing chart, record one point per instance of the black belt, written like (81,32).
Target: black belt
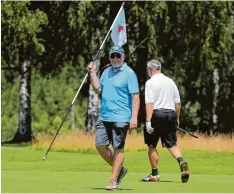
(163,110)
(165,113)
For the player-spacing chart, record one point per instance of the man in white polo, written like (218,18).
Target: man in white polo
(162,102)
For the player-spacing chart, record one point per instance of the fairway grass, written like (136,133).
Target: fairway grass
(74,182)
(24,171)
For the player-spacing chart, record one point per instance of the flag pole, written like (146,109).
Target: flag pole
(82,83)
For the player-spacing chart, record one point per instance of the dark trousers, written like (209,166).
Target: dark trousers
(164,123)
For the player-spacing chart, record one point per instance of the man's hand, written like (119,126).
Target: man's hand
(133,123)
(149,129)
(177,123)
(92,67)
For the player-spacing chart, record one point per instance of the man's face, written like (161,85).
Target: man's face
(116,58)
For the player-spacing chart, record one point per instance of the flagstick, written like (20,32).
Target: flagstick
(109,31)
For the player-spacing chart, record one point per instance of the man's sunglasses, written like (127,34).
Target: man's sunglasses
(115,55)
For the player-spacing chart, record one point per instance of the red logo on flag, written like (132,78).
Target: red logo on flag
(120,28)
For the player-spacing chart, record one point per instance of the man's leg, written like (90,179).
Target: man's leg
(152,140)
(103,141)
(153,158)
(106,154)
(119,133)
(118,171)
(176,153)
(169,140)
(118,160)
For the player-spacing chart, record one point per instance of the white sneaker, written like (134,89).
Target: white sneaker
(151,178)
(112,185)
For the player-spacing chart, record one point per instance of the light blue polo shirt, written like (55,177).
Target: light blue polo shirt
(117,89)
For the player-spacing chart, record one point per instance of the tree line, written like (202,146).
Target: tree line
(46,47)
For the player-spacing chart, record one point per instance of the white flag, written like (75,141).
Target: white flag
(119,31)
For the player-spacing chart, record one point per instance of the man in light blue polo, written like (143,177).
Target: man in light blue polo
(119,89)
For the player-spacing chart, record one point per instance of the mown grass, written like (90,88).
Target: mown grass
(23,170)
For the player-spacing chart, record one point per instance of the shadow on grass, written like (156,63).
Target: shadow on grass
(120,189)
(161,181)
(13,144)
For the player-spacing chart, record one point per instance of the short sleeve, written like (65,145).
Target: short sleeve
(133,86)
(149,94)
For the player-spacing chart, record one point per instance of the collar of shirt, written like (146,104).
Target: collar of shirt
(157,74)
(123,67)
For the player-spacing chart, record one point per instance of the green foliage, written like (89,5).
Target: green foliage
(51,97)
(20,27)
(191,111)
(190,38)
(9,107)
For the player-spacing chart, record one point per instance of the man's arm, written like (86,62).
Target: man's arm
(95,82)
(93,78)
(149,108)
(135,110)
(177,109)
(177,104)
(149,100)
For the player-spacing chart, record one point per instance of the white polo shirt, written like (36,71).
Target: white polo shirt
(162,92)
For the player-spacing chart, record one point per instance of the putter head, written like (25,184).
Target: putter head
(44,158)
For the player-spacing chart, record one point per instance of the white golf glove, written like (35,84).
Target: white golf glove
(149,129)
